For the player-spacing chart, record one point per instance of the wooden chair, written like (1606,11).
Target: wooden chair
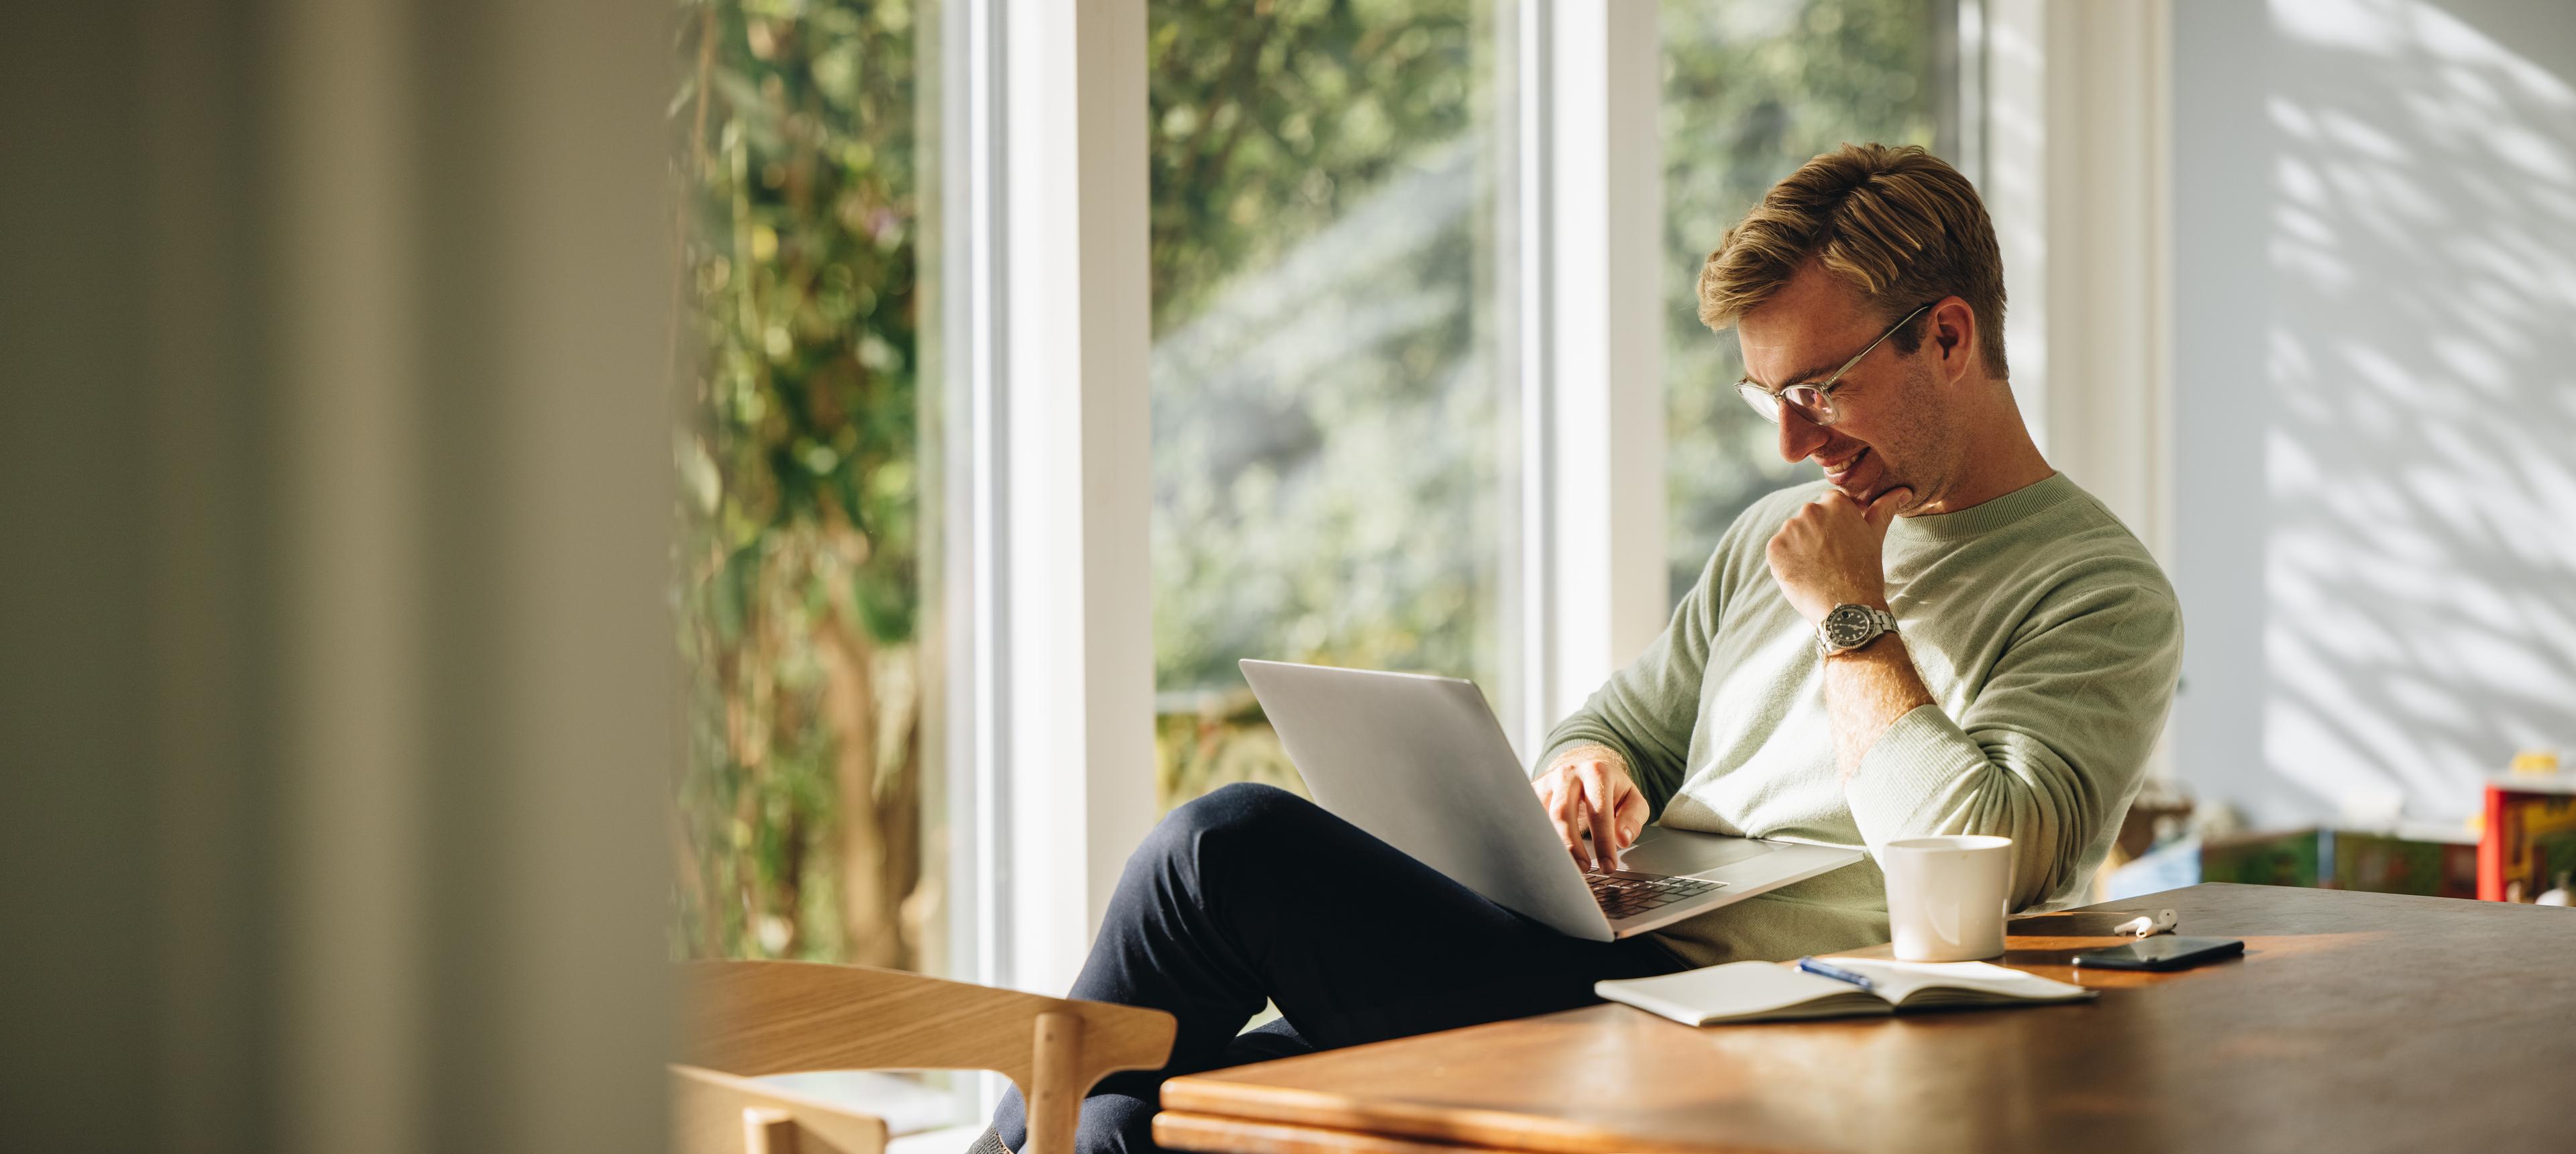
(748,1019)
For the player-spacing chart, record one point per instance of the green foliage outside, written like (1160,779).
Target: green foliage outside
(1274,535)
(1752,90)
(797,817)
(1270,120)
(1328,472)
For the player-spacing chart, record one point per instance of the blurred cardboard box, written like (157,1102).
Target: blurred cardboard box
(2434,862)
(2441,864)
(2294,858)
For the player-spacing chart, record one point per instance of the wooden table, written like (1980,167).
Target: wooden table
(2354,1022)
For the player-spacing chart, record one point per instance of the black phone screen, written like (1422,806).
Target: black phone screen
(2163,952)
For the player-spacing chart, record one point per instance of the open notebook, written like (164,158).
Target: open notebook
(1764,992)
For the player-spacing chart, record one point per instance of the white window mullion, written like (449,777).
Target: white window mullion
(2079,189)
(2015,188)
(962,309)
(1073,662)
(1959,52)
(1593,361)
(1530,602)
(2109,290)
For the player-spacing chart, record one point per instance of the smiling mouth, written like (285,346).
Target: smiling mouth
(1838,470)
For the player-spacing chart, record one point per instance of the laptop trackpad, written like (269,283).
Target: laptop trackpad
(1681,853)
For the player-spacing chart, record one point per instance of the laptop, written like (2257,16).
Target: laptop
(1420,762)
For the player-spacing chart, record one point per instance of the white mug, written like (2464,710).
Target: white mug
(1946,896)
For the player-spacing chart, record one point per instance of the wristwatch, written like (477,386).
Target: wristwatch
(1848,627)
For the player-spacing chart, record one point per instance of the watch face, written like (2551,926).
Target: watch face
(1847,625)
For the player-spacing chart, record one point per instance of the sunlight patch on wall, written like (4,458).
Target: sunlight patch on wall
(2420,562)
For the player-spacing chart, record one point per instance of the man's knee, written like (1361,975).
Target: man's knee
(1244,817)
(1116,1124)
(1109,1124)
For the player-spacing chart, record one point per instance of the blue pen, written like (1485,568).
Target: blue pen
(1837,973)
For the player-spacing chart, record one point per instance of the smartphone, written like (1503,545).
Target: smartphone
(2162,952)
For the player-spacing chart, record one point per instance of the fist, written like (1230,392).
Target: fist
(1829,553)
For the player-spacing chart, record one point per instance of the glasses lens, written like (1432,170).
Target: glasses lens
(1760,398)
(1811,402)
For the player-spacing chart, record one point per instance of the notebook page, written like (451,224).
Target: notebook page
(1972,981)
(1739,991)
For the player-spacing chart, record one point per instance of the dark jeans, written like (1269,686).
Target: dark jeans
(1254,893)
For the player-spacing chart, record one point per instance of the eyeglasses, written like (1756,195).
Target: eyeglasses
(1814,402)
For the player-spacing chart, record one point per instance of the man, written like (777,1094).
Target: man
(2000,656)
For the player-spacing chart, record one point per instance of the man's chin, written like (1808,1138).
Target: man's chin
(1865,493)
(1862,489)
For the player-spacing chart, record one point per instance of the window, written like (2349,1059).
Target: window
(799,816)
(1330,453)
(1336,203)
(1752,89)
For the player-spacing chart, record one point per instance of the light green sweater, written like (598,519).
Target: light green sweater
(2044,631)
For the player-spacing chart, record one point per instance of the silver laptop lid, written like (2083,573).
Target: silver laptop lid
(1420,763)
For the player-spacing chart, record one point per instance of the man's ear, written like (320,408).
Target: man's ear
(1954,336)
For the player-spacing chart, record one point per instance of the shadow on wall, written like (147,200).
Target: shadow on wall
(2420,565)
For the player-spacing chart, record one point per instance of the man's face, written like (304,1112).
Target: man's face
(1893,429)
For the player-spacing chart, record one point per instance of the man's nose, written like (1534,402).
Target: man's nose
(1798,435)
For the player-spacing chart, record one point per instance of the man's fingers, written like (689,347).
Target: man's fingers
(1571,818)
(1883,510)
(1587,819)
(1596,810)
(1632,818)
(1605,816)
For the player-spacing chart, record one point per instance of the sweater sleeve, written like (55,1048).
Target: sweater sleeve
(1646,711)
(2051,750)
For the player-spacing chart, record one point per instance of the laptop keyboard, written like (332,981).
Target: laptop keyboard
(1626,895)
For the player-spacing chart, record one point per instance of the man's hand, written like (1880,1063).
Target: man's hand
(1593,804)
(1829,553)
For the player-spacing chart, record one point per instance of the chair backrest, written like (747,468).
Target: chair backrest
(714,1113)
(747,1019)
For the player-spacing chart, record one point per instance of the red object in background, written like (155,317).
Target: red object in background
(2529,838)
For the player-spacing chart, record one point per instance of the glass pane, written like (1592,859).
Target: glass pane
(1328,456)
(1752,90)
(798,819)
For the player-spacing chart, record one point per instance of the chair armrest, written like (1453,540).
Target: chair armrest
(754,1018)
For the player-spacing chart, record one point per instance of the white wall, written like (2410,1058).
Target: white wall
(2375,398)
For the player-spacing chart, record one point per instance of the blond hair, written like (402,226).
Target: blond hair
(1897,224)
